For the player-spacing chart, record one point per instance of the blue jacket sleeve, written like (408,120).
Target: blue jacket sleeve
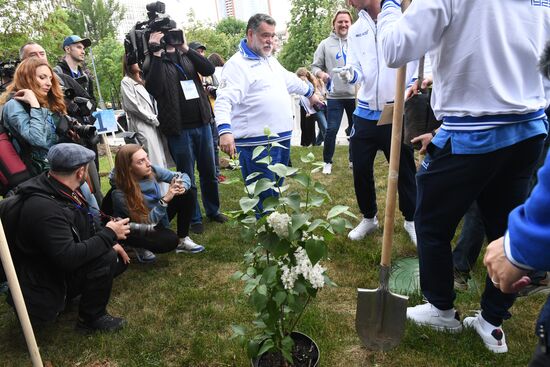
(527,242)
(32,127)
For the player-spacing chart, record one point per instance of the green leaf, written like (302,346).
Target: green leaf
(270,203)
(257,151)
(316,223)
(298,220)
(279,298)
(308,158)
(269,276)
(248,204)
(338,224)
(316,250)
(321,189)
(293,201)
(302,179)
(316,200)
(276,144)
(281,170)
(262,185)
(300,286)
(252,348)
(259,301)
(252,176)
(237,275)
(272,243)
(265,160)
(238,330)
(337,210)
(287,344)
(262,289)
(267,345)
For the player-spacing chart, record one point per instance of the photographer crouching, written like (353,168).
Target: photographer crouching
(138,196)
(66,254)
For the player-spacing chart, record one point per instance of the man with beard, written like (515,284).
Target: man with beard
(253,97)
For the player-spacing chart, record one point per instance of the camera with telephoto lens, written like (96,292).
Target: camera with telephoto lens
(136,42)
(141,229)
(70,130)
(7,71)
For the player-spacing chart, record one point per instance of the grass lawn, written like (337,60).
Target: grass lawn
(180,310)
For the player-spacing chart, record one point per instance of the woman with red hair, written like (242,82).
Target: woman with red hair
(33,107)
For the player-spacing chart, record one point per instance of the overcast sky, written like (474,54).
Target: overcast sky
(205,10)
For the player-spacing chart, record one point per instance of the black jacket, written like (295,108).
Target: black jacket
(54,238)
(63,68)
(163,82)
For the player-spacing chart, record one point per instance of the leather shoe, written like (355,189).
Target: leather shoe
(197,228)
(220,218)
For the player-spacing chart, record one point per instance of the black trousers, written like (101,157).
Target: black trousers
(94,281)
(164,239)
(448,184)
(366,139)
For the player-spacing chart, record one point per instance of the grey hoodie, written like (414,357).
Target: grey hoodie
(332,52)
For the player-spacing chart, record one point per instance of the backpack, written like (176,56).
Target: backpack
(10,212)
(13,169)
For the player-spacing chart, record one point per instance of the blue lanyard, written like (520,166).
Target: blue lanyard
(181,70)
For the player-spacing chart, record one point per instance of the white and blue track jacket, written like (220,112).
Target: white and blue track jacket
(484,56)
(254,94)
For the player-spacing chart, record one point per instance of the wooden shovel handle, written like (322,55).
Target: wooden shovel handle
(395,154)
(18,300)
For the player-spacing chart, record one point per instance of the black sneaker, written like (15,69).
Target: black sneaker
(220,218)
(105,323)
(197,228)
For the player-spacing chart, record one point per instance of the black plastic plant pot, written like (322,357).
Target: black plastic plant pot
(305,354)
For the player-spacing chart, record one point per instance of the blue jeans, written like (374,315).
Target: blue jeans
(248,166)
(196,145)
(335,111)
(321,118)
(447,185)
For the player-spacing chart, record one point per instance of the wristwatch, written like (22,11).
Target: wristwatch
(163,203)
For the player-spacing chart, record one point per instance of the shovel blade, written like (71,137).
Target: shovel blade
(380,318)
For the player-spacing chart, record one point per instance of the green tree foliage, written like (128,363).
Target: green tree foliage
(23,20)
(108,57)
(310,24)
(102,18)
(223,38)
(52,32)
(232,26)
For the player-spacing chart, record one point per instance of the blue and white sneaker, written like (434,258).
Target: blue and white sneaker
(188,246)
(144,256)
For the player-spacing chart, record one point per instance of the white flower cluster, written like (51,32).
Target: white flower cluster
(279,222)
(313,274)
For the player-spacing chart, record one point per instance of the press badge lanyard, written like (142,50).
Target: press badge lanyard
(187,86)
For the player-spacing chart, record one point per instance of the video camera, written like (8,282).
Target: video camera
(136,42)
(7,71)
(80,108)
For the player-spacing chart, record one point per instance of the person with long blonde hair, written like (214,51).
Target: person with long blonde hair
(137,195)
(311,113)
(33,106)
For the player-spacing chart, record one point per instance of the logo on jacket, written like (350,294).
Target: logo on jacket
(342,54)
(543,3)
(362,34)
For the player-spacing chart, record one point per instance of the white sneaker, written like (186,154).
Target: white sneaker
(327,169)
(493,336)
(409,228)
(429,315)
(188,246)
(366,226)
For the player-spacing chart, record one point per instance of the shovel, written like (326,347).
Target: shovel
(381,314)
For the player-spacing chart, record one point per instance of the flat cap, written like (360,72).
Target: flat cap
(67,157)
(197,45)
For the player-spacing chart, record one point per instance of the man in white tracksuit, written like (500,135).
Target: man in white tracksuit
(491,97)
(366,66)
(254,94)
